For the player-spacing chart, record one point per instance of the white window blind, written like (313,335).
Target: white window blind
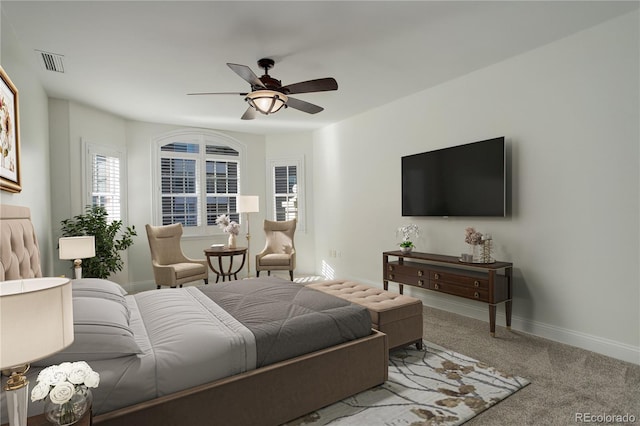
(104,168)
(199,179)
(286,183)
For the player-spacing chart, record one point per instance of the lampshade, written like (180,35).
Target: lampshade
(267,101)
(77,247)
(36,319)
(248,203)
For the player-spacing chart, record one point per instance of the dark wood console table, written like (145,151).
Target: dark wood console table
(447,274)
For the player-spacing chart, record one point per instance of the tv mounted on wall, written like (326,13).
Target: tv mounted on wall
(464,180)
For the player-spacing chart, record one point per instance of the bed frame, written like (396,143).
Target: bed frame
(270,395)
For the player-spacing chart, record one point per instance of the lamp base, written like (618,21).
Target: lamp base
(78,268)
(17,389)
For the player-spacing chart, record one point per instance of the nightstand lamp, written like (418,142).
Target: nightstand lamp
(76,249)
(36,320)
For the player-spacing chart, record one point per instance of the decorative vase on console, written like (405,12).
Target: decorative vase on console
(474,239)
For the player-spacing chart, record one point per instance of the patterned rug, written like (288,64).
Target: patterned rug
(434,386)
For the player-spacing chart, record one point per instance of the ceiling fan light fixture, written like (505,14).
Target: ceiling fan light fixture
(267,101)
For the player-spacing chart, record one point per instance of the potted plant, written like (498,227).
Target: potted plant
(407,232)
(109,236)
(406,246)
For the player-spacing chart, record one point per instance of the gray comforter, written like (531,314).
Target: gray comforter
(288,319)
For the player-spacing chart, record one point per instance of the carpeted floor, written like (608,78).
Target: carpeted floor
(565,381)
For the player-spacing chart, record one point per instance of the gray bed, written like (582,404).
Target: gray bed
(185,356)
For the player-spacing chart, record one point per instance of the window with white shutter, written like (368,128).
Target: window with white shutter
(105,172)
(198,179)
(287,188)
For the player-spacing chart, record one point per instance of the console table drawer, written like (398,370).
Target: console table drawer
(458,290)
(409,279)
(443,276)
(408,269)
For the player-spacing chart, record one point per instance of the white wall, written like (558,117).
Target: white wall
(570,113)
(34,144)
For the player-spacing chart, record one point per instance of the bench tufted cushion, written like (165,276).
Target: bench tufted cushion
(384,307)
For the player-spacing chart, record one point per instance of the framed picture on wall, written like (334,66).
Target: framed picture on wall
(9,135)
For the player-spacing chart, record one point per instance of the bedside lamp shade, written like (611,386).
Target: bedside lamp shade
(76,249)
(36,320)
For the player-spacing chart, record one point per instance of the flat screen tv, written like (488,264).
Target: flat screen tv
(464,180)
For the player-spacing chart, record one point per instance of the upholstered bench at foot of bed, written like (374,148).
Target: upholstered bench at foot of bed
(396,315)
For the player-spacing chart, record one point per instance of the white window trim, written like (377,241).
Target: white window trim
(200,136)
(88,148)
(292,161)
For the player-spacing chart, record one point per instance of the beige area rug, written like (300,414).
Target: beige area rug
(434,386)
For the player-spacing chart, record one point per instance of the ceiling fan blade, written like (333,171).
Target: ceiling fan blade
(304,106)
(319,85)
(246,73)
(218,93)
(249,114)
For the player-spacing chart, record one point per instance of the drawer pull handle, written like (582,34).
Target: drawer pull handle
(420,283)
(420,273)
(436,276)
(390,268)
(476,295)
(390,276)
(436,286)
(476,283)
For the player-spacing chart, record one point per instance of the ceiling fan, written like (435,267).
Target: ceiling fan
(268,95)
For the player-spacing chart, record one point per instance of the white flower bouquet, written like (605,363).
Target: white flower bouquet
(227,225)
(60,382)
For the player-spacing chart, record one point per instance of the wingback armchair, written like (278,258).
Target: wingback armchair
(170,266)
(279,253)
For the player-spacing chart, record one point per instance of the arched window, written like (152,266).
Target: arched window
(197,177)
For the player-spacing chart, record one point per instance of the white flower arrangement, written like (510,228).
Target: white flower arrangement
(61,382)
(227,225)
(407,231)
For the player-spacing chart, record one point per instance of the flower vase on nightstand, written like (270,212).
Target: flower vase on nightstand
(69,412)
(232,241)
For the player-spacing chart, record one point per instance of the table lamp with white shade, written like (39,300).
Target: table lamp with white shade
(36,320)
(248,204)
(76,249)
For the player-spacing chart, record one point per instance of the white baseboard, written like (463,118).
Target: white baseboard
(601,345)
(479,311)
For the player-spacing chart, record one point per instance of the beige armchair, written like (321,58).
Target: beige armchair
(279,253)
(170,266)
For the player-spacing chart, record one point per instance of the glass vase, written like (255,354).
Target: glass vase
(71,411)
(232,241)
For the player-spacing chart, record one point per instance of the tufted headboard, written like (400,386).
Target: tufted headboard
(19,252)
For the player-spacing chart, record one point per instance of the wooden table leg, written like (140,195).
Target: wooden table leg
(508,304)
(492,320)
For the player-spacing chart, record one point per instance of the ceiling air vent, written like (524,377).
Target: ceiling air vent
(51,61)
